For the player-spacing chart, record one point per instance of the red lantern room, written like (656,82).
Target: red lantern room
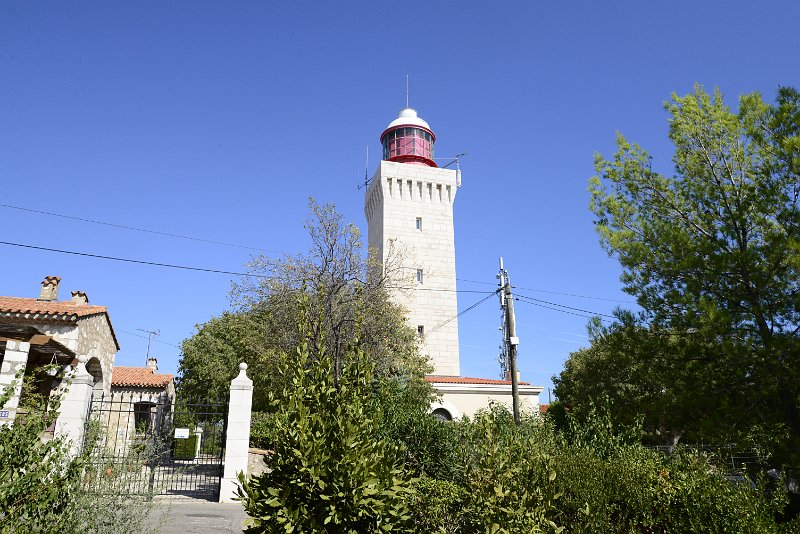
(408,139)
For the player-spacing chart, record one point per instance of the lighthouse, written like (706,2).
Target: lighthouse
(409,210)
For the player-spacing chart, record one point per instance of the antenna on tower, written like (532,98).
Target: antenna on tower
(456,160)
(366,172)
(406,90)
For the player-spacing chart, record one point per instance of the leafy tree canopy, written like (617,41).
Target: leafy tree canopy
(642,373)
(711,251)
(330,298)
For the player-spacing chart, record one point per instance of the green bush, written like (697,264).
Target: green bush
(509,473)
(344,457)
(429,446)
(331,471)
(438,506)
(263,430)
(185,449)
(42,489)
(38,482)
(590,477)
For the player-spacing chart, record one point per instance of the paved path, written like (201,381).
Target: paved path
(201,517)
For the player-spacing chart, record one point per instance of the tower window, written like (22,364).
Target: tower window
(419,223)
(419,276)
(421,330)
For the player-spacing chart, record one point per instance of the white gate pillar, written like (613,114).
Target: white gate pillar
(14,363)
(74,410)
(237,439)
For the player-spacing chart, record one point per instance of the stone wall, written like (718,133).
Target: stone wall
(90,336)
(255,461)
(15,358)
(66,334)
(95,340)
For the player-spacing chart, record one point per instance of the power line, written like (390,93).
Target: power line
(548,291)
(562,307)
(574,295)
(477,282)
(565,306)
(557,309)
(459,314)
(190,268)
(223,243)
(136,229)
(129,260)
(145,337)
(444,289)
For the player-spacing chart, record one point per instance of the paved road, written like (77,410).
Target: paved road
(198,517)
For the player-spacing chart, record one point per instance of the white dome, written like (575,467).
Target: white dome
(408,116)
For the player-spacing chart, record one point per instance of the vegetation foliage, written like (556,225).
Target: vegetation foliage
(336,292)
(331,471)
(42,486)
(711,254)
(336,468)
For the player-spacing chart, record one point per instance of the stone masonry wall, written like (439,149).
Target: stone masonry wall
(90,336)
(399,194)
(96,341)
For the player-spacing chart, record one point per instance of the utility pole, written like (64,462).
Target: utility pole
(510,341)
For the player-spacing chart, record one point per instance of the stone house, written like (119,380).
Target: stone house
(140,403)
(39,332)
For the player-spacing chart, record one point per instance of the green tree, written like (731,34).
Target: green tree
(711,252)
(641,373)
(210,358)
(334,290)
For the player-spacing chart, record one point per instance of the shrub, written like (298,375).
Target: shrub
(331,471)
(429,446)
(609,482)
(438,506)
(185,449)
(41,486)
(590,478)
(263,430)
(507,475)
(38,481)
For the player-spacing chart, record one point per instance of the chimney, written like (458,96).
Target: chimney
(50,288)
(79,297)
(152,364)
(508,375)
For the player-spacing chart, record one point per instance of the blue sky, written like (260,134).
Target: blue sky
(217,120)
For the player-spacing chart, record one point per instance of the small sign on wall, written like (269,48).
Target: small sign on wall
(3,414)
(181,433)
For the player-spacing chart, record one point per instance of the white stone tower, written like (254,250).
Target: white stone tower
(409,209)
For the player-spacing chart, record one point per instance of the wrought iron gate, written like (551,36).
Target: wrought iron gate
(151,444)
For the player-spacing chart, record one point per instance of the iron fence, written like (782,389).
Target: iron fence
(149,443)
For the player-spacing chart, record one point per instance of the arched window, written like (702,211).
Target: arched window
(96,370)
(442,415)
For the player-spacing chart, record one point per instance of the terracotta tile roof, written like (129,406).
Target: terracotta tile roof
(139,377)
(543,408)
(16,305)
(49,310)
(467,380)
